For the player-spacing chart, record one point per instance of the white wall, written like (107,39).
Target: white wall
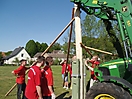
(22,54)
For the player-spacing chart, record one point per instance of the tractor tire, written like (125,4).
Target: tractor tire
(107,91)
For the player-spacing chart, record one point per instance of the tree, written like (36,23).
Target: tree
(1,56)
(72,44)
(72,48)
(38,47)
(89,26)
(31,47)
(16,61)
(43,47)
(55,46)
(8,53)
(106,37)
(95,35)
(1,61)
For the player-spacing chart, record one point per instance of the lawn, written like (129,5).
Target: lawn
(7,80)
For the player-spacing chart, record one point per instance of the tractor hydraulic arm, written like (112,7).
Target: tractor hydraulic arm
(120,10)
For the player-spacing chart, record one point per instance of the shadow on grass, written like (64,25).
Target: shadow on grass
(67,97)
(61,96)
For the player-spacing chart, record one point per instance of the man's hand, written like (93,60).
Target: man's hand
(39,92)
(12,72)
(53,96)
(40,98)
(90,68)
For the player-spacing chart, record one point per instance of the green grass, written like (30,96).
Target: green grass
(7,80)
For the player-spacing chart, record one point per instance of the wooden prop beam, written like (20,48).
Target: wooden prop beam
(10,89)
(69,43)
(87,50)
(44,51)
(97,50)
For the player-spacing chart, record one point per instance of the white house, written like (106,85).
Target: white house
(18,53)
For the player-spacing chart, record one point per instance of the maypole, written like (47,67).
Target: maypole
(78,71)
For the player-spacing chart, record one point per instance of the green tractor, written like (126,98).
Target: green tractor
(115,76)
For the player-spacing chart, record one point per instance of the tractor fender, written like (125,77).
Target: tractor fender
(118,80)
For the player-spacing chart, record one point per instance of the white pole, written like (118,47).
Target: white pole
(78,37)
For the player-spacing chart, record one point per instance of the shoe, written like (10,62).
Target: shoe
(64,87)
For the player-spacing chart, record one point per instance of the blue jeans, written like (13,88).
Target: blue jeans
(66,77)
(20,89)
(46,97)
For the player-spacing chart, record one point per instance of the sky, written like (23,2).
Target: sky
(38,20)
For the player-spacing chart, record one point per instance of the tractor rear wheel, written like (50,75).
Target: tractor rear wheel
(107,91)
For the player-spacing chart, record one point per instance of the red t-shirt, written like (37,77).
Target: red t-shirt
(21,74)
(70,69)
(47,80)
(64,68)
(93,66)
(34,79)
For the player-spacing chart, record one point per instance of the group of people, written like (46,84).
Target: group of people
(94,61)
(40,81)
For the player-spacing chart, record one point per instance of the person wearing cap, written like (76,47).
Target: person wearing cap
(47,80)
(20,80)
(33,88)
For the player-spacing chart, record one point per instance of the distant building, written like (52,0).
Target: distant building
(18,53)
(56,54)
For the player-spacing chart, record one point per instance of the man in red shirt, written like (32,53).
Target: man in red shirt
(47,80)
(33,88)
(20,80)
(95,63)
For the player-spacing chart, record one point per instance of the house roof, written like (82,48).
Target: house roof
(54,55)
(14,53)
(57,51)
(37,54)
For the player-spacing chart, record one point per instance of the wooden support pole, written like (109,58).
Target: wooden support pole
(44,51)
(10,89)
(87,50)
(78,37)
(97,50)
(59,35)
(69,43)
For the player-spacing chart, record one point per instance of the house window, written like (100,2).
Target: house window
(22,55)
